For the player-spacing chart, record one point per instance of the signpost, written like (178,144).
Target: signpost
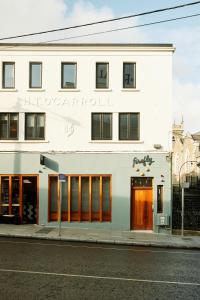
(61,178)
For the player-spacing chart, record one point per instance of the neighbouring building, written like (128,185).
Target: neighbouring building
(186,150)
(100,116)
(186,156)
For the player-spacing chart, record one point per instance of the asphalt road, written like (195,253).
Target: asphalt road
(37,269)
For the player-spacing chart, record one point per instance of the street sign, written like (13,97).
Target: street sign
(185,185)
(62,177)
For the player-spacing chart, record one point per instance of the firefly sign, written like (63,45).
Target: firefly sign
(146,161)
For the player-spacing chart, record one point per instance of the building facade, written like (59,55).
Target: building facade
(98,115)
(186,151)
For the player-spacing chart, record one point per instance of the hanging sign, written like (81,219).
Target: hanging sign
(62,177)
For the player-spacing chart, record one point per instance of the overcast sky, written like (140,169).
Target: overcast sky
(24,16)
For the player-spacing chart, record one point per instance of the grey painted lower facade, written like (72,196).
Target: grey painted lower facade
(119,165)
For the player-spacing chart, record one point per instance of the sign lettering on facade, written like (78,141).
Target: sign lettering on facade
(147,160)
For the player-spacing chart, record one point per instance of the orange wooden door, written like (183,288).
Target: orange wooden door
(142,214)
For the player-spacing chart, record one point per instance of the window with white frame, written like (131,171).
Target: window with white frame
(34,126)
(129,75)
(68,75)
(102,71)
(35,75)
(101,126)
(8,76)
(129,126)
(9,126)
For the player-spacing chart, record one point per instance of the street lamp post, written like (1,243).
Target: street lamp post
(182,192)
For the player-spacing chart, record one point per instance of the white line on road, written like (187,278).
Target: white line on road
(103,248)
(101,277)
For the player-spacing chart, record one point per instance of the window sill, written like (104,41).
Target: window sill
(130,90)
(36,90)
(102,90)
(25,142)
(8,90)
(115,142)
(69,90)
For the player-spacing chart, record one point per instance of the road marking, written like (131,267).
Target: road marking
(100,277)
(102,248)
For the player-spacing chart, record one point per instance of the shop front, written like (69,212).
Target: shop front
(122,191)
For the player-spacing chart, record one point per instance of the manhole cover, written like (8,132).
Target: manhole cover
(45,230)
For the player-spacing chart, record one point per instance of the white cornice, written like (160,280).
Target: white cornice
(88,47)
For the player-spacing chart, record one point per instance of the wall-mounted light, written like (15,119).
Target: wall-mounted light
(157,146)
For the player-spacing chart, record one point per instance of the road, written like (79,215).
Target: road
(39,269)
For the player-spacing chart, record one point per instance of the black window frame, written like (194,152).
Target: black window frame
(101,138)
(134,71)
(128,120)
(8,126)
(35,123)
(62,75)
(31,63)
(4,63)
(107,79)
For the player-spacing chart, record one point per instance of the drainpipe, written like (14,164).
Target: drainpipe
(171,184)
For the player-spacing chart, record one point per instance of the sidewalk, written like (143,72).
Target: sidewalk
(130,238)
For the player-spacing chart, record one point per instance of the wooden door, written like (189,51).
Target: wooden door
(142,214)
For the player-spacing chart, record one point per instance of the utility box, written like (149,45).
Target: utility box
(162,220)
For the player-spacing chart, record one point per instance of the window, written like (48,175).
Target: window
(9,126)
(8,75)
(84,198)
(13,190)
(35,75)
(160,199)
(101,126)
(129,126)
(102,75)
(68,76)
(34,126)
(129,75)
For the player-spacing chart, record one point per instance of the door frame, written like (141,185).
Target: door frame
(131,202)
(37,193)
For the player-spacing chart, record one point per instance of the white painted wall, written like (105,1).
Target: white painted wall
(68,113)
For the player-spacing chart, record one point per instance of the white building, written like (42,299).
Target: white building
(101,115)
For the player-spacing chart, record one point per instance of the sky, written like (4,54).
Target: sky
(25,16)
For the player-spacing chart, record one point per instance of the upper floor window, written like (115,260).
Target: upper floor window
(8,76)
(102,75)
(129,75)
(68,75)
(101,126)
(129,126)
(35,75)
(9,126)
(34,126)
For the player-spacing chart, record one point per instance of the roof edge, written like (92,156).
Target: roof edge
(91,44)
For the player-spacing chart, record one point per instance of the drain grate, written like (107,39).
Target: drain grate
(44,230)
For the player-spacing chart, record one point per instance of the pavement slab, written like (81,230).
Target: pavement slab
(101,236)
